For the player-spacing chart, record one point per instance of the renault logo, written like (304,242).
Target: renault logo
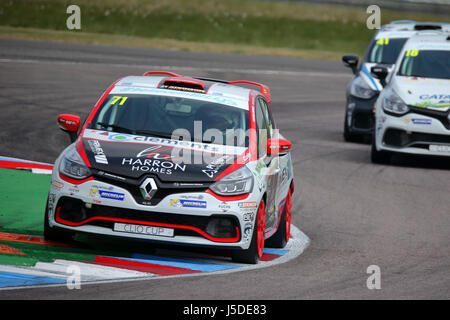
(148,188)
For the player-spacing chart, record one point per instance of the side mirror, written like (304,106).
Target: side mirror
(380,73)
(351,61)
(278,146)
(70,124)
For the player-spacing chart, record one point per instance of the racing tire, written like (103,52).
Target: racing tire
(379,157)
(253,254)
(54,234)
(347,136)
(281,237)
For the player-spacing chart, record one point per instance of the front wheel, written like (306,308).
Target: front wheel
(53,234)
(379,157)
(255,251)
(281,237)
(348,137)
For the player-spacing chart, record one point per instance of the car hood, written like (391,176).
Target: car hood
(424,92)
(170,160)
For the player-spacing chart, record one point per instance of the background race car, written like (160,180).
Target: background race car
(363,90)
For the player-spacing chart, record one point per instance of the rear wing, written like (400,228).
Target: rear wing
(265,90)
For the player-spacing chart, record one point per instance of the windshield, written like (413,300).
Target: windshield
(385,50)
(173,117)
(426,64)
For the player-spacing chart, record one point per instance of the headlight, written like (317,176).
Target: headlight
(73,166)
(393,103)
(236,183)
(361,89)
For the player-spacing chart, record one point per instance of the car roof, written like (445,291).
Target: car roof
(168,83)
(429,41)
(409,28)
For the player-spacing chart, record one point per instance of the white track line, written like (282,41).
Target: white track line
(88,271)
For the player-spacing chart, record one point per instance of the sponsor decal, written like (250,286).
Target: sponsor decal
(196,146)
(224,206)
(210,173)
(434,101)
(189,184)
(112,176)
(247,231)
(111,195)
(57,184)
(106,194)
(99,155)
(51,202)
(421,121)
(73,189)
(429,104)
(166,149)
(186,94)
(418,121)
(183,203)
(435,97)
(153,165)
(439,148)
(284,175)
(248,217)
(68,122)
(247,205)
(213,167)
(158,153)
(190,197)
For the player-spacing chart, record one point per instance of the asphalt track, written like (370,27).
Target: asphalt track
(356,214)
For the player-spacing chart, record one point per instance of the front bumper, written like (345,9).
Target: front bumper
(360,115)
(197,218)
(412,133)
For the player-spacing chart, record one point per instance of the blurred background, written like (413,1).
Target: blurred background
(323,29)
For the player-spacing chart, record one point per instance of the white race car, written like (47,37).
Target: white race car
(383,49)
(413,110)
(175,159)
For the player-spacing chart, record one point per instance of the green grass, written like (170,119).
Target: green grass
(265,27)
(22,201)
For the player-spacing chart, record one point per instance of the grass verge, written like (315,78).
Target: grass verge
(248,27)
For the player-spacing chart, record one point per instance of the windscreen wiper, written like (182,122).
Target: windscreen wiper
(155,133)
(169,136)
(115,127)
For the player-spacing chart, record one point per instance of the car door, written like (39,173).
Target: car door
(265,130)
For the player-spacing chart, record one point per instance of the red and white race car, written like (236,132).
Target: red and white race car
(176,159)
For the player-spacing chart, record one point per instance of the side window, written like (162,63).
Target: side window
(269,118)
(261,129)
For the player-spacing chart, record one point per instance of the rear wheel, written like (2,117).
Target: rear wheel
(281,237)
(255,251)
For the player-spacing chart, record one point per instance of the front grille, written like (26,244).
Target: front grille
(439,115)
(74,211)
(401,139)
(164,189)
(363,120)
